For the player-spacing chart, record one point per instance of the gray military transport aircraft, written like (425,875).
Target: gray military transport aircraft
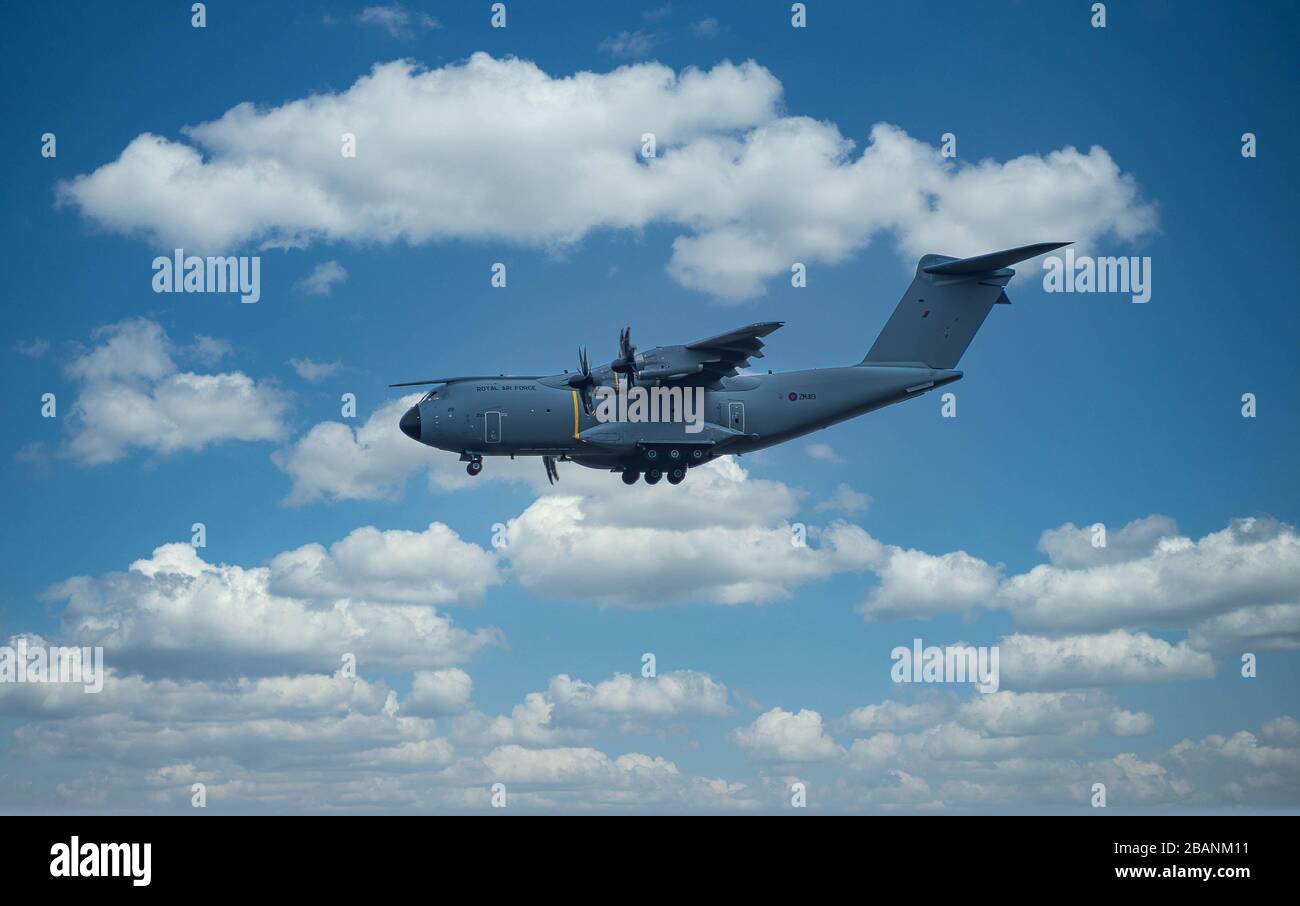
(694,404)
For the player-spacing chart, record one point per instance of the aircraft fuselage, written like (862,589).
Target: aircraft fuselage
(510,416)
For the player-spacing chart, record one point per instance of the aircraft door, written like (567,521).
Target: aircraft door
(737,416)
(492,427)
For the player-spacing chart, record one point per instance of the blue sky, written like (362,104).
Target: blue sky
(1074,409)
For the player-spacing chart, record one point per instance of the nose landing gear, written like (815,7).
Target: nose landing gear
(475,465)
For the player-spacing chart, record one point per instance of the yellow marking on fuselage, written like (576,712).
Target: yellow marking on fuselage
(575,415)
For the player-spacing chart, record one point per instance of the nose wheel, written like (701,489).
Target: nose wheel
(475,465)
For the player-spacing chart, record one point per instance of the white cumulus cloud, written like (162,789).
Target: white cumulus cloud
(322,279)
(438,692)
(131,393)
(728,541)
(433,566)
(750,188)
(1113,658)
(783,736)
(314,371)
(174,613)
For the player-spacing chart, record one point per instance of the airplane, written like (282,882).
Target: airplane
(556,417)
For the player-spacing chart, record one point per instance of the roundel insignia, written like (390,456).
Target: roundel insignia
(793,396)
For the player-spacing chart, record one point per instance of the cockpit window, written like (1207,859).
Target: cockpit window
(431,395)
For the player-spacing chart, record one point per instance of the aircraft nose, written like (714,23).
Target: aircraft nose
(410,423)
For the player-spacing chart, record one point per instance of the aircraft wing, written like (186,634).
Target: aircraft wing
(727,353)
(470,377)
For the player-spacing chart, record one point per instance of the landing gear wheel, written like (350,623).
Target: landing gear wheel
(697,455)
(674,453)
(652,454)
(630,476)
(475,466)
(676,475)
(652,476)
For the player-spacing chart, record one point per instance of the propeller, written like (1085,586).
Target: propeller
(626,362)
(583,381)
(552,473)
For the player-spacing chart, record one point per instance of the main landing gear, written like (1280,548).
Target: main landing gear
(665,460)
(676,475)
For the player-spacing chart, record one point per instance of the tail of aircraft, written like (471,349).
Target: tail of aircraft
(947,302)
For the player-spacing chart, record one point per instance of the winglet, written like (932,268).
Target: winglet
(994,261)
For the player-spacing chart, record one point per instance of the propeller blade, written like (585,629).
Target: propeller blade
(583,378)
(626,361)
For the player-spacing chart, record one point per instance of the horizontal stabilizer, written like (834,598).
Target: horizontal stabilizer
(994,261)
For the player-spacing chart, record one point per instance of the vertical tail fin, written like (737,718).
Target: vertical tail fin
(947,302)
